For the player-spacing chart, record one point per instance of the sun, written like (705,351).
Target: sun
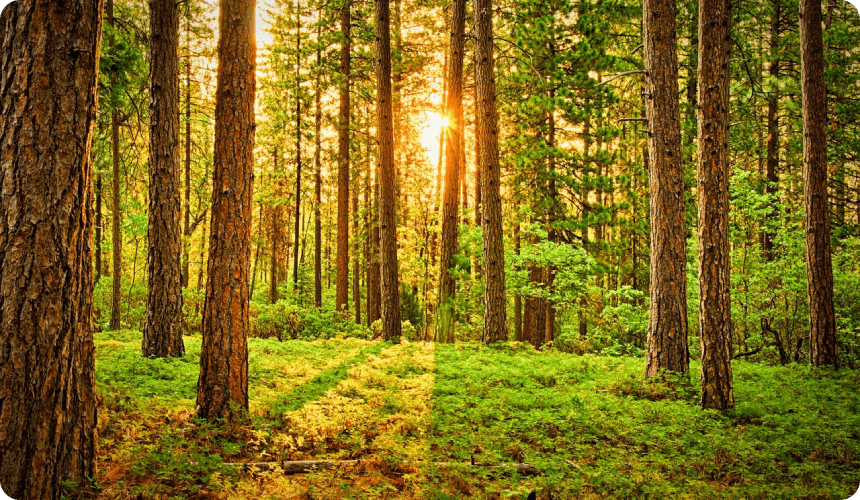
(433,124)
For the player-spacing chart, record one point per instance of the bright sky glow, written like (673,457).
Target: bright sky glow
(432,124)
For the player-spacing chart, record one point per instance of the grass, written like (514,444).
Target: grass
(590,424)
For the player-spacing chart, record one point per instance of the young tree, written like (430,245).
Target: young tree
(390,303)
(715,320)
(318,175)
(495,303)
(453,165)
(48,405)
(162,332)
(342,292)
(223,382)
(667,318)
(816,215)
(116,208)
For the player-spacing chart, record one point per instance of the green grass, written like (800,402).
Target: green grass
(595,428)
(591,424)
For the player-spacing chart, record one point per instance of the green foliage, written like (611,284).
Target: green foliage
(594,427)
(287,320)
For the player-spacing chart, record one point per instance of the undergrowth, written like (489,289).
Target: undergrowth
(590,424)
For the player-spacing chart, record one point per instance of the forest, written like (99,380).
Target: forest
(429,249)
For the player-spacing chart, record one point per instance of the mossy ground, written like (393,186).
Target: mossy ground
(590,424)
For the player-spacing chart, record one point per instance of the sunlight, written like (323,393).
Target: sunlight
(433,123)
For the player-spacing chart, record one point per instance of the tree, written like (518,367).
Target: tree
(223,384)
(453,165)
(162,332)
(318,177)
(667,316)
(116,208)
(48,407)
(715,320)
(495,303)
(816,214)
(342,291)
(390,282)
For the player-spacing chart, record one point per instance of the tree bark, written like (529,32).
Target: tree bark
(222,388)
(298,146)
(715,319)
(374,276)
(116,209)
(162,332)
(667,318)
(356,209)
(318,181)
(453,166)
(772,135)
(186,229)
(342,291)
(276,213)
(816,215)
(48,78)
(390,304)
(487,129)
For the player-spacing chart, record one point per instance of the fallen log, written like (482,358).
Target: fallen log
(305,466)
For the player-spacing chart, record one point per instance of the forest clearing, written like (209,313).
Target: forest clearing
(588,424)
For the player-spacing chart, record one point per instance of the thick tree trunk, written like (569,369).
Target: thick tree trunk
(816,216)
(487,130)
(47,400)
(715,313)
(162,332)
(318,183)
(390,287)
(223,384)
(453,166)
(342,291)
(772,135)
(667,318)
(116,209)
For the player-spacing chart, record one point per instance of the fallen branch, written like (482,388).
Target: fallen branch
(305,466)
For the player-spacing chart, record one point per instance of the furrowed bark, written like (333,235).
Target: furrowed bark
(715,320)
(48,98)
(342,291)
(390,304)
(495,303)
(162,332)
(667,318)
(222,389)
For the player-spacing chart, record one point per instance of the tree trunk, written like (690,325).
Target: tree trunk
(390,304)
(356,209)
(342,292)
(276,213)
(453,165)
(518,299)
(298,146)
(318,181)
(186,230)
(48,402)
(222,388)
(116,210)
(772,136)
(374,278)
(715,313)
(816,215)
(487,129)
(162,332)
(667,318)
(98,228)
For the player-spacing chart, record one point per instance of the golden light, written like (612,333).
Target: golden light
(433,124)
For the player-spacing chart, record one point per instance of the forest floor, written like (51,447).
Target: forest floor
(590,425)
